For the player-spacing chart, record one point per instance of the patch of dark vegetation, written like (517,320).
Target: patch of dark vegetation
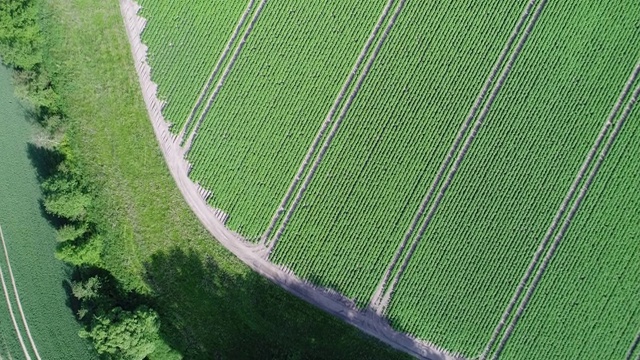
(240,310)
(120,323)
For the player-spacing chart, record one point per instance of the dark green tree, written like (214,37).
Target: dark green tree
(121,334)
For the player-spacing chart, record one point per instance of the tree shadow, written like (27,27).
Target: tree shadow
(214,315)
(44,160)
(111,291)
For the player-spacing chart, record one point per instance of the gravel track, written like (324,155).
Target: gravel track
(561,211)
(377,296)
(328,120)
(252,255)
(567,222)
(10,307)
(384,303)
(223,77)
(216,69)
(335,128)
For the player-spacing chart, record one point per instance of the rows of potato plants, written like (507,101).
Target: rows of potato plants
(275,99)
(391,143)
(587,305)
(514,178)
(185,40)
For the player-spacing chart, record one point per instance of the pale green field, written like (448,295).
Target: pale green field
(31,243)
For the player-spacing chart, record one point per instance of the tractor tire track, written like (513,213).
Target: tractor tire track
(375,299)
(561,211)
(328,120)
(567,222)
(216,69)
(335,127)
(483,114)
(17,297)
(632,348)
(223,77)
(13,316)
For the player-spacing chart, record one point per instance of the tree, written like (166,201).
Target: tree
(20,35)
(122,334)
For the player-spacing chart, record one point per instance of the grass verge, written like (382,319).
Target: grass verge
(210,304)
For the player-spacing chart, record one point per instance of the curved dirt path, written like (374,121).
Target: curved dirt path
(325,299)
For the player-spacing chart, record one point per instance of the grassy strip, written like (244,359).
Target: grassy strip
(210,304)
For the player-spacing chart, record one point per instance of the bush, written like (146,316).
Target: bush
(122,334)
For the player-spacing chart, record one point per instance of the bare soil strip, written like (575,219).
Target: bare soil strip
(223,77)
(562,210)
(567,221)
(216,69)
(17,297)
(384,303)
(335,128)
(632,348)
(328,120)
(13,316)
(325,299)
(377,296)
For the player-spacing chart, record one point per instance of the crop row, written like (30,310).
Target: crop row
(566,212)
(339,118)
(281,88)
(185,40)
(442,183)
(396,134)
(586,305)
(220,71)
(515,176)
(328,126)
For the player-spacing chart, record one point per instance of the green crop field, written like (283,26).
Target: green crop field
(285,64)
(180,71)
(516,174)
(364,195)
(454,167)
(587,306)
(30,242)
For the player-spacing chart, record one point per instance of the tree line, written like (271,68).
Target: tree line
(120,323)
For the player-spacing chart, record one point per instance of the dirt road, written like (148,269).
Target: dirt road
(325,299)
